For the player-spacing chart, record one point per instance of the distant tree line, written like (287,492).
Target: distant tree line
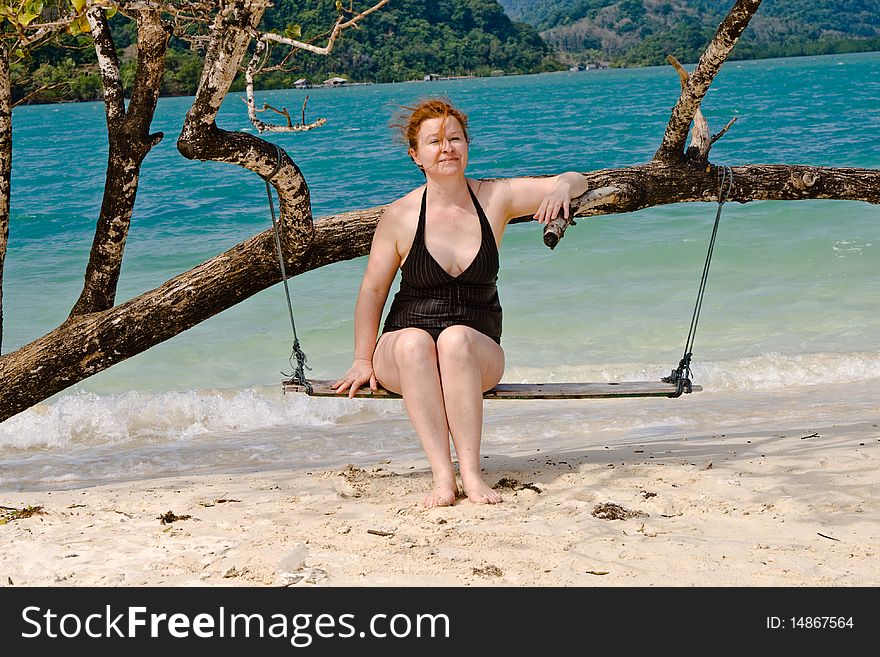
(407,40)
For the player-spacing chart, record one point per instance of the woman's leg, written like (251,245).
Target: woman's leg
(470,363)
(405,361)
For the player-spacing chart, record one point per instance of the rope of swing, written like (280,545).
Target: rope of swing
(681,376)
(298,376)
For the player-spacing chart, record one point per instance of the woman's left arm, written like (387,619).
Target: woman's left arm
(543,198)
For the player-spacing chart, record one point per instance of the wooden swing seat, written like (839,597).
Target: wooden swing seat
(322,388)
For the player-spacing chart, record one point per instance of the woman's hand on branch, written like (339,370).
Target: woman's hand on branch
(359,374)
(558,199)
(567,186)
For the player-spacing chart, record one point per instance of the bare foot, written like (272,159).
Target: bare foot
(478,491)
(440,496)
(444,492)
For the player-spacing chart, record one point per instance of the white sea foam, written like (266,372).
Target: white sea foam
(765,372)
(86,439)
(87,419)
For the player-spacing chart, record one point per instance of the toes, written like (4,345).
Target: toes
(486,498)
(439,499)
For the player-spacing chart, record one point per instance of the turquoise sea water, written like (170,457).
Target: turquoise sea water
(789,330)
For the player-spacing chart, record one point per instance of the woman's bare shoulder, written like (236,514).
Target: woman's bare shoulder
(403,208)
(489,186)
(493,193)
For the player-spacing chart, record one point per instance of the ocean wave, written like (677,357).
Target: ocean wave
(87,419)
(766,372)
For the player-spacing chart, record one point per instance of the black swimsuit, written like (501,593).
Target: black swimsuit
(432,299)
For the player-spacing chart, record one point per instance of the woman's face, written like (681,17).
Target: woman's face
(442,147)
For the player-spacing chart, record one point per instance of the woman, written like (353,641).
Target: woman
(440,346)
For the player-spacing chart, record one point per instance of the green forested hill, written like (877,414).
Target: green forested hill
(406,39)
(641,32)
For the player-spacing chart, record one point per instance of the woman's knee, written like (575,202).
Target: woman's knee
(414,346)
(456,338)
(462,346)
(458,343)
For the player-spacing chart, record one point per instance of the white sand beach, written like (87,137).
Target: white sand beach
(757,508)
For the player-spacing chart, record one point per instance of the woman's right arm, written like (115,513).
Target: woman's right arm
(382,266)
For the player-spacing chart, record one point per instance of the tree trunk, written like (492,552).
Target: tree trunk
(5,165)
(129,137)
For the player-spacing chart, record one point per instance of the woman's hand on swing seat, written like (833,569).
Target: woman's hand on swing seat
(359,374)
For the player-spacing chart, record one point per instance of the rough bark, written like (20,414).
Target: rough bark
(658,183)
(129,141)
(87,344)
(5,165)
(701,140)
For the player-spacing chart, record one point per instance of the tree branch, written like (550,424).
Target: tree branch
(701,141)
(250,73)
(108,65)
(340,25)
(616,191)
(729,31)
(258,62)
(129,141)
(5,164)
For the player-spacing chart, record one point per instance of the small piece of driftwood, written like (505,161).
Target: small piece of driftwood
(555,230)
(322,388)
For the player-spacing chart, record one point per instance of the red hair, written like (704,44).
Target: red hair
(410,119)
